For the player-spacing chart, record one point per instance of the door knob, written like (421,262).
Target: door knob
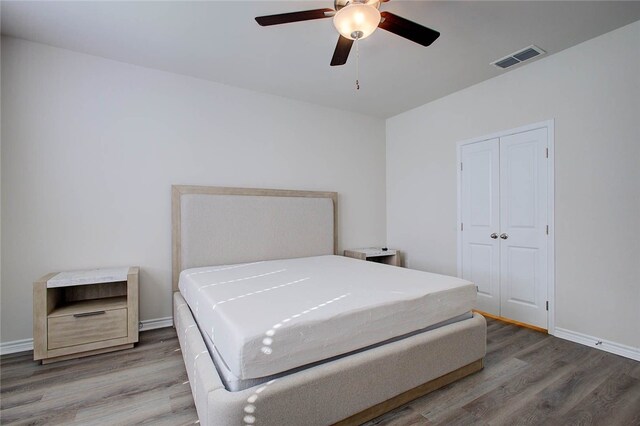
(494,236)
(504,236)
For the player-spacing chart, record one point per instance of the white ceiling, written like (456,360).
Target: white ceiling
(220,41)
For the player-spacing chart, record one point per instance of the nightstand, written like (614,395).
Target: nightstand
(83,313)
(376,254)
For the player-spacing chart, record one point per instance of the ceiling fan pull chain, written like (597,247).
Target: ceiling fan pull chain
(357,64)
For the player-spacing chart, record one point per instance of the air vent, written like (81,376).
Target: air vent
(506,63)
(519,56)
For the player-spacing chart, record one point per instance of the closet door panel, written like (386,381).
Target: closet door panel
(480,204)
(523,222)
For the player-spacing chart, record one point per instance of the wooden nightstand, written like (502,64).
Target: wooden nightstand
(376,254)
(84,313)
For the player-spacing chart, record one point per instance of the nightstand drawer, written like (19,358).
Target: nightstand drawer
(72,330)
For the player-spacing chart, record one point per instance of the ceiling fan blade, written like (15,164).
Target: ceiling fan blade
(341,53)
(285,18)
(407,29)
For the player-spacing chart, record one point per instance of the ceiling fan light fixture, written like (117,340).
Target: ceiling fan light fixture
(357,20)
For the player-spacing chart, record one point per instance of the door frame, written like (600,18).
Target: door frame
(551,272)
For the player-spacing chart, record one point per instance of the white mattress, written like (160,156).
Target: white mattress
(273,316)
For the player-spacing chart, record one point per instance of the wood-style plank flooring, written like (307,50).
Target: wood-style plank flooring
(146,384)
(529,379)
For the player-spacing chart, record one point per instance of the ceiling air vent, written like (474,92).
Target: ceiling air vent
(519,56)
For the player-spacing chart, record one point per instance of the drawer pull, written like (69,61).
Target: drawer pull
(89,314)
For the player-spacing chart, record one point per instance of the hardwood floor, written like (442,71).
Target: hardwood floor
(529,379)
(146,384)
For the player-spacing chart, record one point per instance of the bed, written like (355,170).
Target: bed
(277,245)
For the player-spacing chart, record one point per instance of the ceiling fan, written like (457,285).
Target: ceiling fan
(355,20)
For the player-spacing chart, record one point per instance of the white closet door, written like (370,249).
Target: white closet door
(523,227)
(480,219)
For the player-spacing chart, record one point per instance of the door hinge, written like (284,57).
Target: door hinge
(461,226)
(547,305)
(547,152)
(460,166)
(547,229)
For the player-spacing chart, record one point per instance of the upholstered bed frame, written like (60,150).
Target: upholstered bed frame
(216,226)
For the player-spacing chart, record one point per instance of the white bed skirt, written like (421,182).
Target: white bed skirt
(330,392)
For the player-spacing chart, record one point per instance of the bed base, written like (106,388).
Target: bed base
(346,391)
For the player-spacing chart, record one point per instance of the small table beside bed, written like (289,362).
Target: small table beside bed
(275,329)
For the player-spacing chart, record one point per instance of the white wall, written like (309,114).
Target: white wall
(91,147)
(0,190)
(593,92)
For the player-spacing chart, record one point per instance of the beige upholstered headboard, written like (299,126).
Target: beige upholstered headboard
(218,226)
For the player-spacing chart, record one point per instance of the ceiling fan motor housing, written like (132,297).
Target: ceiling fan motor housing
(339,4)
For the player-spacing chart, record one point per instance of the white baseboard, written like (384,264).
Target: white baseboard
(27,344)
(152,324)
(16,346)
(602,344)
